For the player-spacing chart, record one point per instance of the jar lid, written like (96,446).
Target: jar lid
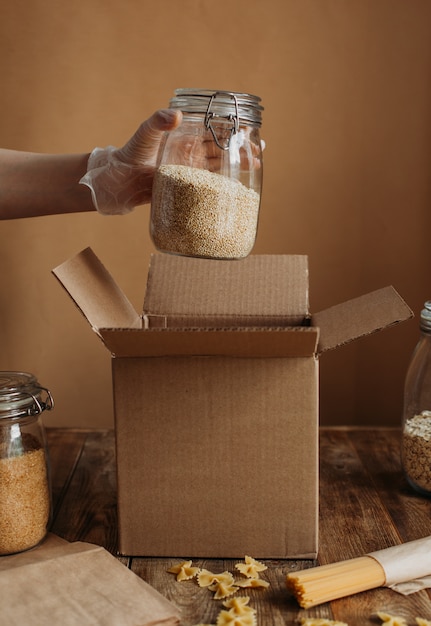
(425,322)
(21,394)
(245,106)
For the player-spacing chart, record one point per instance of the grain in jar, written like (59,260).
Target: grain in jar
(207,185)
(25,493)
(210,214)
(416,424)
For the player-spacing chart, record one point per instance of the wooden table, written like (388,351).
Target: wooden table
(365,505)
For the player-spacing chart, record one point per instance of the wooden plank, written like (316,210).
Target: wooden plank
(365,505)
(379,451)
(194,602)
(410,511)
(64,448)
(273,605)
(355,520)
(89,508)
(350,507)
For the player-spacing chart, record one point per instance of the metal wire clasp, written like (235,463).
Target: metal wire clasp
(40,406)
(234,118)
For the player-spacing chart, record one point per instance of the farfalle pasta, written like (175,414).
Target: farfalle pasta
(250,568)
(238,614)
(226,618)
(223,589)
(239,606)
(184,571)
(391,620)
(206,578)
(224,585)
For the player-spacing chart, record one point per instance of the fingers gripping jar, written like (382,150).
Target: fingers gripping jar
(25,492)
(208,181)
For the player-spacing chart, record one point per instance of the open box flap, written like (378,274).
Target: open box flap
(96,293)
(298,341)
(359,317)
(260,290)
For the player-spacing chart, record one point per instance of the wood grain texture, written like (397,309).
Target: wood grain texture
(88,508)
(365,505)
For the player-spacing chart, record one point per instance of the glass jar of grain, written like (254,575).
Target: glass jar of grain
(416,427)
(25,492)
(208,181)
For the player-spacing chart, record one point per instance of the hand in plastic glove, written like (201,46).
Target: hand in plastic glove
(122,178)
(200,150)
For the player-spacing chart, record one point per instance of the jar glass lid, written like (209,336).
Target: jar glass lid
(21,394)
(245,106)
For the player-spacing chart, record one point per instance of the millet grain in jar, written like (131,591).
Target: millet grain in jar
(208,180)
(201,213)
(416,446)
(24,497)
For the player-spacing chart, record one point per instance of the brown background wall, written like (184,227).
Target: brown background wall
(346,86)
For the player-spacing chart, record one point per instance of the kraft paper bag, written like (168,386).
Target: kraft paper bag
(77,584)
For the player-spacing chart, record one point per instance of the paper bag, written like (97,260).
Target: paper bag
(77,584)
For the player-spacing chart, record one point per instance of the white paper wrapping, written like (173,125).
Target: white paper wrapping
(407,566)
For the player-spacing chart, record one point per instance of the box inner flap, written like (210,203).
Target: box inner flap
(96,293)
(360,317)
(258,290)
(298,341)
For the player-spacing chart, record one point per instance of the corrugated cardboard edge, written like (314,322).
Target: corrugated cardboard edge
(360,317)
(247,342)
(95,292)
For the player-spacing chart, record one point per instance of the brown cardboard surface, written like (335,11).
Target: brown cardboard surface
(219,459)
(216,400)
(360,317)
(189,292)
(96,293)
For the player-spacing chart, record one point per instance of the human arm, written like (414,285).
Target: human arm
(33,184)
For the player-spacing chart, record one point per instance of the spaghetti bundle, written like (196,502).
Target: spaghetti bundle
(391,567)
(328,582)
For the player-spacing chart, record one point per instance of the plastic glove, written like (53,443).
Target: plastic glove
(122,178)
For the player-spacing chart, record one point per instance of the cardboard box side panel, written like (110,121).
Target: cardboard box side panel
(252,342)
(217,457)
(258,286)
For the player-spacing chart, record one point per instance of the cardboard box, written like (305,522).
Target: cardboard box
(216,399)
